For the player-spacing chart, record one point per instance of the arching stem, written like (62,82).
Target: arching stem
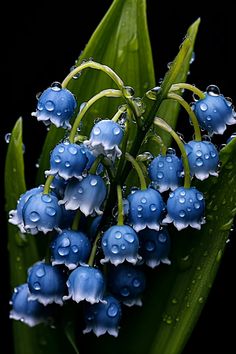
(138,169)
(94,250)
(47,184)
(183,85)
(185,105)
(162,124)
(120,220)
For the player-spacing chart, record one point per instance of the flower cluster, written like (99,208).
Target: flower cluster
(101,234)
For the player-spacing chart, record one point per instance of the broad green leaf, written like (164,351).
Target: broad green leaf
(120,41)
(22,254)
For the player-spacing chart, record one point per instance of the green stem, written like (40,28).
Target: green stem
(93,168)
(120,111)
(47,184)
(104,93)
(93,65)
(162,124)
(158,140)
(80,138)
(75,224)
(138,169)
(120,220)
(185,105)
(94,250)
(183,85)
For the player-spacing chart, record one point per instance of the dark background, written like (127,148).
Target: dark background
(39,43)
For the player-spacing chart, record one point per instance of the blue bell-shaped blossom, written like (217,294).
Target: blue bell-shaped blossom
(105,138)
(67,160)
(86,283)
(41,212)
(86,195)
(203,159)
(145,209)
(16,216)
(166,171)
(185,207)
(127,283)
(120,243)
(214,112)
(103,317)
(30,312)
(56,105)
(47,283)
(70,248)
(154,246)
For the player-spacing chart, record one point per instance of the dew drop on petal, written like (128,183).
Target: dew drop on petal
(160,164)
(118,235)
(93,182)
(203,107)
(46,198)
(34,216)
(199,196)
(196,205)
(80,190)
(112,310)
(63,251)
(129,238)
(114,249)
(199,162)
(96,131)
(150,246)
(199,153)
(124,291)
(61,149)
(65,242)
(116,131)
(207,156)
(182,200)
(50,211)
(160,175)
(153,207)
(57,159)
(136,283)
(104,243)
(162,238)
(169,159)
(40,272)
(72,150)
(75,249)
(143,200)
(36,286)
(50,106)
(183,193)
(67,164)
(182,213)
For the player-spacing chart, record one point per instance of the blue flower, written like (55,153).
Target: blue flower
(203,158)
(41,212)
(56,105)
(154,246)
(70,248)
(67,160)
(105,137)
(214,112)
(47,283)
(86,283)
(30,312)
(120,243)
(103,317)
(145,209)
(127,282)
(86,195)
(16,216)
(165,172)
(185,207)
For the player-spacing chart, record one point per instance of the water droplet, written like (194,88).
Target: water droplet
(124,291)
(118,235)
(96,131)
(182,200)
(73,150)
(50,106)
(207,156)
(75,248)
(129,238)
(112,310)
(136,283)
(208,118)
(61,149)
(199,162)
(213,154)
(139,215)
(153,207)
(174,301)
(34,216)
(114,249)
(160,175)
(182,213)
(56,86)
(39,106)
(150,246)
(196,205)
(80,190)
(36,286)
(213,90)
(7,138)
(199,196)
(128,91)
(203,107)
(200,299)
(67,164)
(116,131)
(46,198)
(50,211)
(143,200)
(162,238)
(40,272)
(57,159)
(93,182)
(152,94)
(160,164)
(63,251)
(171,195)
(139,208)
(65,242)
(169,159)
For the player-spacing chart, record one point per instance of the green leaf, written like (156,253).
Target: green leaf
(119,42)
(22,254)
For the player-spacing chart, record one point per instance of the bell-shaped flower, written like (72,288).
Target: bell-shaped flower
(120,243)
(105,138)
(185,207)
(30,312)
(41,212)
(86,283)
(103,317)
(56,105)
(154,246)
(86,195)
(203,159)
(70,248)
(166,171)
(67,160)
(47,283)
(127,283)
(214,111)
(16,216)
(145,209)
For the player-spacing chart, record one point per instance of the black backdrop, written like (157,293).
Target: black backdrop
(39,43)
